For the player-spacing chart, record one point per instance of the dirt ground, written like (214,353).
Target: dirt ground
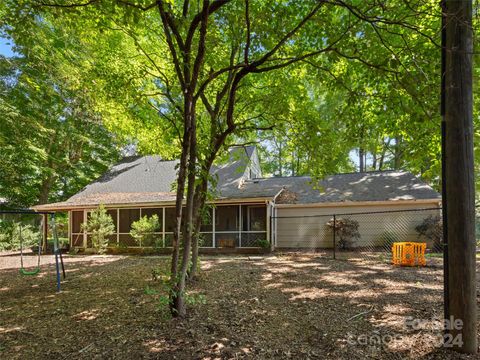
(298,306)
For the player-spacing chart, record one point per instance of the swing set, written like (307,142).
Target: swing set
(42,243)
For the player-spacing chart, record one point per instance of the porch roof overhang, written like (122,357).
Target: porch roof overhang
(129,200)
(427,202)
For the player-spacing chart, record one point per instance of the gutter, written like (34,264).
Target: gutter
(436,201)
(65,207)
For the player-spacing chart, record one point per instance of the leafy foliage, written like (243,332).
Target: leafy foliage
(100,226)
(53,137)
(431,230)
(144,228)
(10,233)
(346,232)
(263,243)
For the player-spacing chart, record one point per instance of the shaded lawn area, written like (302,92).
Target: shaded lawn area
(281,306)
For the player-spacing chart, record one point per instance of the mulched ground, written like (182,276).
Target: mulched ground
(299,306)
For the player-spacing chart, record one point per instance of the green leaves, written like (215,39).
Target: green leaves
(100,226)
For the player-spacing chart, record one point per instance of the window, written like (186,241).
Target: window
(127,217)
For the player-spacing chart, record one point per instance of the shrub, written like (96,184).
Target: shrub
(431,229)
(143,230)
(100,225)
(10,235)
(346,232)
(264,244)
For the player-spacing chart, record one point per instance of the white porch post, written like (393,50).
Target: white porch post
(118,227)
(269,221)
(240,226)
(84,231)
(213,226)
(70,237)
(163,226)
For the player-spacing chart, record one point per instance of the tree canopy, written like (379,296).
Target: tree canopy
(311,82)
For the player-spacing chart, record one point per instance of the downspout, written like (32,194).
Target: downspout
(273,220)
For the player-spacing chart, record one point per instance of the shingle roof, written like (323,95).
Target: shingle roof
(134,174)
(367,186)
(149,179)
(114,198)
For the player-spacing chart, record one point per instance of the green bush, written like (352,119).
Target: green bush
(431,229)
(346,232)
(265,244)
(10,235)
(100,226)
(143,230)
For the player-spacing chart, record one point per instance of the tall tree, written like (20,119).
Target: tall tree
(196,64)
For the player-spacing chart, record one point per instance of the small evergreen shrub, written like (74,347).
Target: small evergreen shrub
(431,230)
(10,235)
(264,244)
(100,226)
(346,232)
(143,231)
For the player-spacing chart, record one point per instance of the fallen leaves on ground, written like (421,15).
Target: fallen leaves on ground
(298,306)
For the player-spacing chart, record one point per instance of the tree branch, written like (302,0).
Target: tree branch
(171,46)
(247,24)
(289,35)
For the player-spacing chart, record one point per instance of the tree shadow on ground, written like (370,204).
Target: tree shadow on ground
(290,306)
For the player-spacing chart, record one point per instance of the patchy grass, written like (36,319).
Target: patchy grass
(285,306)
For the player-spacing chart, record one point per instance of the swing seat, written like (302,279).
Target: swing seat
(29,273)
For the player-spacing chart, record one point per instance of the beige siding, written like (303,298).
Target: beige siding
(305,227)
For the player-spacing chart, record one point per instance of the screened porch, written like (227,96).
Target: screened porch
(235,226)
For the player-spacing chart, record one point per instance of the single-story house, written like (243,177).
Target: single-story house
(248,209)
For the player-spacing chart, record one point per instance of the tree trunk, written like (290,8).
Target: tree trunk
(181,178)
(280,159)
(397,156)
(177,300)
(200,198)
(361,164)
(384,152)
(459,174)
(45,190)
(374,158)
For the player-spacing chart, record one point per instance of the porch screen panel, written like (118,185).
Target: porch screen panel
(205,240)
(77,240)
(255,218)
(254,226)
(127,217)
(127,240)
(77,220)
(227,240)
(113,215)
(226,218)
(154,211)
(207,223)
(169,219)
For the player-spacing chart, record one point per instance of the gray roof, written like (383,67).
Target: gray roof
(232,173)
(134,174)
(149,179)
(367,186)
